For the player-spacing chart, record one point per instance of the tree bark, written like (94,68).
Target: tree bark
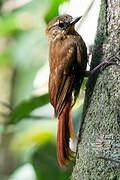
(98,151)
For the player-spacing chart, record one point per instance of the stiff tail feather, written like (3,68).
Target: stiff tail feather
(65,132)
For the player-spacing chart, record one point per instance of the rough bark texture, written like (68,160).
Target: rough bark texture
(98,152)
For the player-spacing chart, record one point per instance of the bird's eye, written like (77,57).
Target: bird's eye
(61,24)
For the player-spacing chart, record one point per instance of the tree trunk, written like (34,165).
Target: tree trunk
(98,151)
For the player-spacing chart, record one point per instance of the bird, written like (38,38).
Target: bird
(67,63)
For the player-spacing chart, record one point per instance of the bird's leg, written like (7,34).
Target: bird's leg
(107,62)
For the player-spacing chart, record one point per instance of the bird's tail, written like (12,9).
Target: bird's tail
(65,132)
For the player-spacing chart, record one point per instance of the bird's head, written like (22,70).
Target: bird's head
(60,26)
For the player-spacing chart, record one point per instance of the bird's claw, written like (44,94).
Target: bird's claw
(112,60)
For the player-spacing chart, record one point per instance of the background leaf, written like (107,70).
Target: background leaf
(48,163)
(26,107)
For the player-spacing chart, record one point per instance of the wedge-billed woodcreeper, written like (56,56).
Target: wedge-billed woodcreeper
(67,61)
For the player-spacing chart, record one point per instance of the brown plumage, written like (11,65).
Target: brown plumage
(67,60)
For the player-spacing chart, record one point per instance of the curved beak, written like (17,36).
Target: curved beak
(75,20)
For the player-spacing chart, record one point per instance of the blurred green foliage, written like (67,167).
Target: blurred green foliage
(24,48)
(26,107)
(29,135)
(47,156)
(53,10)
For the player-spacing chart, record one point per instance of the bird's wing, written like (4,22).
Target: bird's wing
(61,80)
(81,65)
(81,54)
(60,90)
(64,93)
